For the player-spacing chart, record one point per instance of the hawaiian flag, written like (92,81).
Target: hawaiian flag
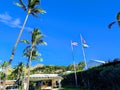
(84,44)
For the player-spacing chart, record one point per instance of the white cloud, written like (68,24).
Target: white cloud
(11,21)
(28,28)
(5,17)
(15,23)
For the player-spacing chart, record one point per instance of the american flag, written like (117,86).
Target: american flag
(74,43)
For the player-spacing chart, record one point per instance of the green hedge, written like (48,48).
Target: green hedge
(104,77)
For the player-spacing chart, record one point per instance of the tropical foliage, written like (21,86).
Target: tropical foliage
(31,50)
(103,77)
(31,7)
(118,21)
(2,67)
(48,69)
(52,69)
(18,74)
(79,67)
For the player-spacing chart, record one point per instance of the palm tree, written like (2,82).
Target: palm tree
(4,65)
(31,50)
(19,73)
(30,8)
(118,20)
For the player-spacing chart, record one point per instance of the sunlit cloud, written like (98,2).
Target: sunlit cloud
(5,17)
(28,28)
(11,21)
(15,23)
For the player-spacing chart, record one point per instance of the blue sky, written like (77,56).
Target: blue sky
(65,20)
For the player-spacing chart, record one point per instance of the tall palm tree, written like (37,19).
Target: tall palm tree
(31,50)
(31,8)
(118,20)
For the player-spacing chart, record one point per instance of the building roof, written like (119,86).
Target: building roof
(44,76)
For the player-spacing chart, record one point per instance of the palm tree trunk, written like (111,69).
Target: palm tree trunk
(28,79)
(13,51)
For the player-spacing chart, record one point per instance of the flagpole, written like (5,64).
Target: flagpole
(84,56)
(74,65)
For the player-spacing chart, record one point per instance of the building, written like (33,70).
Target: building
(44,81)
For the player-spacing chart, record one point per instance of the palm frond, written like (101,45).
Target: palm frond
(4,64)
(41,42)
(36,2)
(20,5)
(35,35)
(35,15)
(17,4)
(25,41)
(44,43)
(111,24)
(27,48)
(40,59)
(35,54)
(23,5)
(38,10)
(33,3)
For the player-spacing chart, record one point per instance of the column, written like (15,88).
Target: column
(59,83)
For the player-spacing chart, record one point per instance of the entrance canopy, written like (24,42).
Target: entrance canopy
(37,77)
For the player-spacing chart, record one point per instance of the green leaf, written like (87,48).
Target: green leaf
(25,41)
(45,43)
(40,59)
(18,4)
(35,15)
(33,3)
(23,5)
(111,24)
(42,43)
(38,10)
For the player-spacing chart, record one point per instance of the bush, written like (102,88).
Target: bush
(103,77)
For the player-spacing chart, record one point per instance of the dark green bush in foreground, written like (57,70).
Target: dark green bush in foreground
(103,77)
